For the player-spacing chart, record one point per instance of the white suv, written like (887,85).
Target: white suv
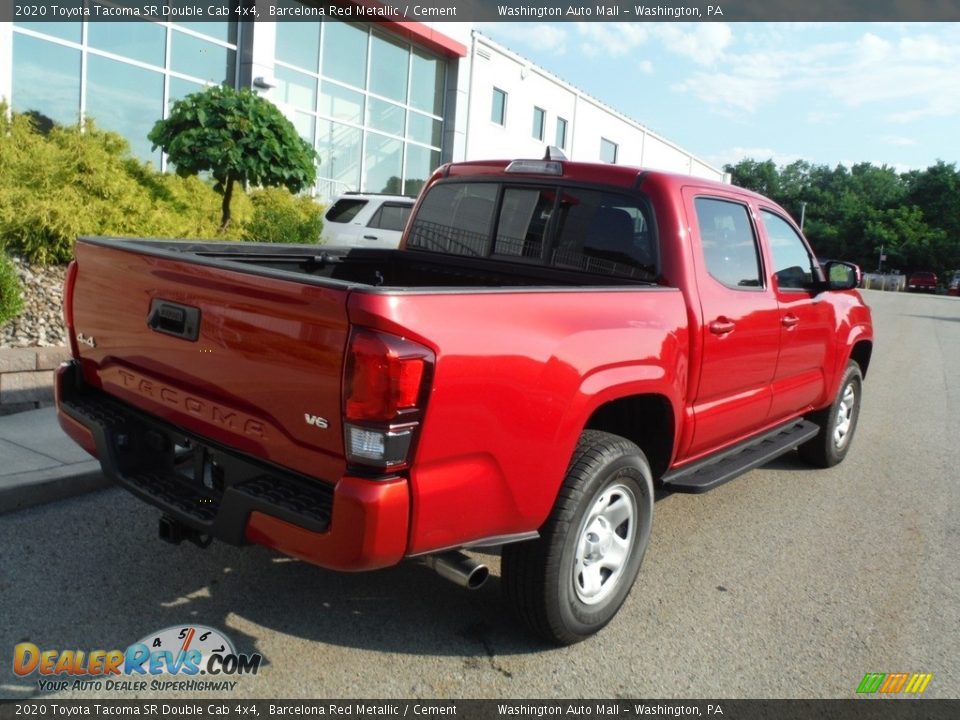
(366,220)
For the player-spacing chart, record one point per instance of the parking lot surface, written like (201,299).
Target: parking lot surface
(787,582)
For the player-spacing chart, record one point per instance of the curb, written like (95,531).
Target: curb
(38,487)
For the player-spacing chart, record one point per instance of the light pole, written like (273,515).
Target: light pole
(803,212)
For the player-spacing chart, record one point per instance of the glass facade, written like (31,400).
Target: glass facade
(369,101)
(372,104)
(124,75)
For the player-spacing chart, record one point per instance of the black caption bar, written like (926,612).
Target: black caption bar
(481,10)
(486,709)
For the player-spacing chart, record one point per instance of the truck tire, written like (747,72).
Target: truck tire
(572,580)
(837,423)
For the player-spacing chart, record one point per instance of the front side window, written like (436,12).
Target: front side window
(539,120)
(728,242)
(498,109)
(391,216)
(793,265)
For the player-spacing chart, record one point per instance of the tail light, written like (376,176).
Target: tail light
(68,284)
(385,386)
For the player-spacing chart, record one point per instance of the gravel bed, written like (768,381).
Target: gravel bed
(41,323)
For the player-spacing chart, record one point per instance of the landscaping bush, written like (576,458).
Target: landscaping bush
(282,217)
(11,295)
(72,181)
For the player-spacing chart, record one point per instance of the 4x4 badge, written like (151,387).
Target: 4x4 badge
(88,341)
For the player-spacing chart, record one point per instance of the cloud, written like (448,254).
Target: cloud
(615,40)
(905,77)
(897,140)
(646,67)
(736,154)
(704,44)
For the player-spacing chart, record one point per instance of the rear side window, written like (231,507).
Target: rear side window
(793,265)
(344,210)
(728,242)
(391,216)
(455,218)
(604,233)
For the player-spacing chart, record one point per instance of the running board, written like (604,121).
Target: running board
(708,473)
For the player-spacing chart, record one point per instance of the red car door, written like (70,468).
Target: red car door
(807,326)
(740,321)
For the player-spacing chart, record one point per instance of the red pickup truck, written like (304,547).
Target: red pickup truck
(552,341)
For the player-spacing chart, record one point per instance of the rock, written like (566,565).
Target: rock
(40,324)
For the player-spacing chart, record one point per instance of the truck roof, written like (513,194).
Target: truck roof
(600,173)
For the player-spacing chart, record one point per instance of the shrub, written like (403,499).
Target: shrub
(281,217)
(11,294)
(83,181)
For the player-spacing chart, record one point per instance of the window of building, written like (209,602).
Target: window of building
(498,109)
(46,79)
(561,139)
(728,242)
(793,265)
(379,111)
(127,99)
(608,151)
(134,71)
(389,62)
(539,120)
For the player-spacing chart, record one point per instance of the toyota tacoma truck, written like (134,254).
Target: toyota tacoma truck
(552,341)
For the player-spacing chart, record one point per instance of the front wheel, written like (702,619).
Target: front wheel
(837,423)
(569,583)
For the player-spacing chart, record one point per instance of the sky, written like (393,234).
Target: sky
(827,93)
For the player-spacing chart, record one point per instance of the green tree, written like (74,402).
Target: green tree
(236,136)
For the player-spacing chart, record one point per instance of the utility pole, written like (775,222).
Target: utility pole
(803,212)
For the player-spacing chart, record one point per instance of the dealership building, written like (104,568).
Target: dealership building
(383,103)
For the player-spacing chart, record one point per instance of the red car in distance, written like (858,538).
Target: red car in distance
(922,282)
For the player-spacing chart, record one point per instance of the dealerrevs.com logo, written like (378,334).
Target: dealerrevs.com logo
(179,658)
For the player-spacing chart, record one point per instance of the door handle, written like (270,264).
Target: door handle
(369,237)
(721,326)
(789,321)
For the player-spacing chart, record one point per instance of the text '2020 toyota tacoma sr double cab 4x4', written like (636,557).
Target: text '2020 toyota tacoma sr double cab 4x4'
(552,341)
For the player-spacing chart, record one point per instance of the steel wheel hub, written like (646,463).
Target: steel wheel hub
(605,543)
(841,431)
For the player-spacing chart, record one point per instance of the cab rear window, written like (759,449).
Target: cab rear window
(567,227)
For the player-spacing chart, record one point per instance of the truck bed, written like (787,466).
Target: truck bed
(391,270)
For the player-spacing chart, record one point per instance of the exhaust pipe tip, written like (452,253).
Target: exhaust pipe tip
(459,569)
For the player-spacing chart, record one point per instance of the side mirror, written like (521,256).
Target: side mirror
(841,275)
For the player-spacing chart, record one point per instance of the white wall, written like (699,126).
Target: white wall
(6,60)
(528,86)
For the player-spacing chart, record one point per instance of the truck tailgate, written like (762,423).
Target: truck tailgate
(252,362)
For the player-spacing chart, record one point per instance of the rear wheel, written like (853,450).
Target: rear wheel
(837,423)
(570,582)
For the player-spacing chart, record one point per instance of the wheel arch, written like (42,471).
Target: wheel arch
(646,420)
(861,353)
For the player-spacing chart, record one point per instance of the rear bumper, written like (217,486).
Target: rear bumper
(355,524)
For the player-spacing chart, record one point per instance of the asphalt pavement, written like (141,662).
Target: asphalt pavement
(787,582)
